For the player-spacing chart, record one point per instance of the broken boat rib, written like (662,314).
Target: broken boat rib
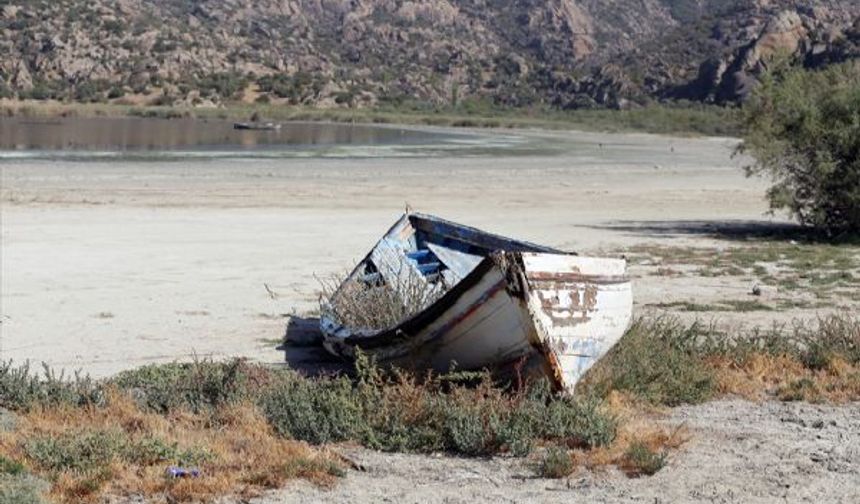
(483,301)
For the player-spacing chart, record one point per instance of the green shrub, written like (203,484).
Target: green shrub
(556,463)
(90,91)
(6,91)
(11,467)
(76,451)
(193,386)
(580,423)
(224,85)
(22,489)
(660,361)
(834,336)
(21,389)
(803,129)
(516,433)
(151,450)
(318,412)
(640,459)
(463,428)
(116,92)
(90,451)
(45,90)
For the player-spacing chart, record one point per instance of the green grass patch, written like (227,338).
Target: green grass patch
(747,305)
(11,467)
(465,414)
(119,422)
(21,388)
(825,270)
(76,451)
(721,306)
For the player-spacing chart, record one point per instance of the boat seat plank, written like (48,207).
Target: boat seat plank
(418,255)
(428,268)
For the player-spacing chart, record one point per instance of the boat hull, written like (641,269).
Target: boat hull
(526,312)
(256,126)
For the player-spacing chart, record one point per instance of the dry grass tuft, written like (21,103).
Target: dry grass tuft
(130,450)
(760,376)
(377,305)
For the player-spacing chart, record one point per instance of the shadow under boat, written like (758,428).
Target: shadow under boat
(304,352)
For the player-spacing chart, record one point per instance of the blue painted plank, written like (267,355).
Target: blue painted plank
(429,268)
(418,254)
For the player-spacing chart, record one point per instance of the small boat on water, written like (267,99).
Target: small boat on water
(256,126)
(487,302)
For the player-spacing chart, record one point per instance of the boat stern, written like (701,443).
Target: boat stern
(581,307)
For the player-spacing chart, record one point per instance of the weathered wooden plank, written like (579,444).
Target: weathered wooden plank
(390,260)
(469,235)
(460,263)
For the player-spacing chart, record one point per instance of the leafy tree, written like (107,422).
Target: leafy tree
(803,130)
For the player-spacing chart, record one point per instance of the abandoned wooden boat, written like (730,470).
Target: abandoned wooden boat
(490,302)
(256,126)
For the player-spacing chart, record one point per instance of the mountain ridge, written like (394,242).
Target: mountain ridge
(558,53)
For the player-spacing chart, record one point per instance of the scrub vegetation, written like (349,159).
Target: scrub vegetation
(248,427)
(667,363)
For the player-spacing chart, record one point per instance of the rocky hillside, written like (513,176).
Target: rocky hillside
(562,53)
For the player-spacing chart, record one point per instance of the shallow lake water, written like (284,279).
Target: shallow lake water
(164,139)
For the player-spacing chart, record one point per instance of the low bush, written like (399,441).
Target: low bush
(76,451)
(22,389)
(314,411)
(10,467)
(640,459)
(556,463)
(22,489)
(658,360)
(194,386)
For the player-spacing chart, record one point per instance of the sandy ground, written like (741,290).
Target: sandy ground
(740,452)
(110,265)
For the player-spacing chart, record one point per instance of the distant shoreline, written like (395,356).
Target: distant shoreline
(658,119)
